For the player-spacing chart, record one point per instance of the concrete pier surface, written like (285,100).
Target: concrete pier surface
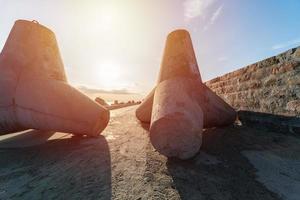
(234,162)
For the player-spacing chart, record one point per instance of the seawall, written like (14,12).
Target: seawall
(268,86)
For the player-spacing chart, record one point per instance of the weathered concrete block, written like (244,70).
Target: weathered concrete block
(181,105)
(34,93)
(177,120)
(216,112)
(144,111)
(179,58)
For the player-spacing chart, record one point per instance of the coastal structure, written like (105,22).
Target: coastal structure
(34,90)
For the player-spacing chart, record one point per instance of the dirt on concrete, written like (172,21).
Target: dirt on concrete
(235,162)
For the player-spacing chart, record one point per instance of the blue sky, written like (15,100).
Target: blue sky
(126,37)
(245,32)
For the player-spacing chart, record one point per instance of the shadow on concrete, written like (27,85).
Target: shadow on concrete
(272,122)
(220,170)
(73,168)
(25,139)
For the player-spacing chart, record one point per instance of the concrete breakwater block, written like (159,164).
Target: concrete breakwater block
(179,58)
(216,112)
(144,111)
(34,93)
(181,105)
(177,120)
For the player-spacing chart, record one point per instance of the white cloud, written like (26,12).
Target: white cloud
(196,8)
(222,58)
(213,17)
(216,14)
(206,27)
(286,44)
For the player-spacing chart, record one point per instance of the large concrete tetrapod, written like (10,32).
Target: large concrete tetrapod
(144,111)
(179,61)
(179,58)
(177,119)
(180,81)
(34,92)
(216,112)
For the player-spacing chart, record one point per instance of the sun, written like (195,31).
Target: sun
(105,18)
(109,74)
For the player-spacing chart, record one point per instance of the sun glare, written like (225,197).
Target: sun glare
(105,18)
(108,74)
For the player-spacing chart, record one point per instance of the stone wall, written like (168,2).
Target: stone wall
(269,86)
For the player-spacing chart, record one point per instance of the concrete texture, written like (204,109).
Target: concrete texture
(177,120)
(179,58)
(179,61)
(34,93)
(278,170)
(216,112)
(122,164)
(144,111)
(180,105)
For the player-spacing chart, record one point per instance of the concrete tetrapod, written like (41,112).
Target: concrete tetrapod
(144,111)
(34,93)
(177,120)
(179,60)
(216,112)
(180,81)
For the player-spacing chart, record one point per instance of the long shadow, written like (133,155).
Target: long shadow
(272,122)
(26,139)
(220,170)
(73,168)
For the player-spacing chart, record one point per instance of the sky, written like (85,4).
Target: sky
(118,44)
